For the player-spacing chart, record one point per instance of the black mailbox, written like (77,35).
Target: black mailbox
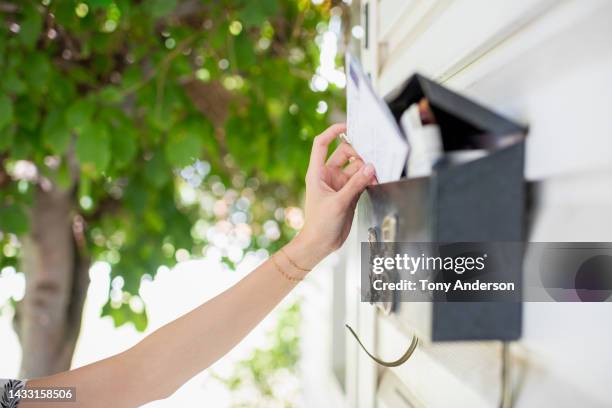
(481,200)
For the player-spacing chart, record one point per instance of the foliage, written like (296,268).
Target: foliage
(140,106)
(261,371)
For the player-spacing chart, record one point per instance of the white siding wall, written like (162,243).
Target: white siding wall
(549,64)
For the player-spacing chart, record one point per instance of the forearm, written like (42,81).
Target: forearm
(167,358)
(193,342)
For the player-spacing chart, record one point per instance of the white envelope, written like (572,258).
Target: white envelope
(372,129)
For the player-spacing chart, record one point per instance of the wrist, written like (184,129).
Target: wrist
(305,251)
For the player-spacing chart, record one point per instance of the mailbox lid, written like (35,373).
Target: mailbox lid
(463,123)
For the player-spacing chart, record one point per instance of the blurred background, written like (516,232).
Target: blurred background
(151,154)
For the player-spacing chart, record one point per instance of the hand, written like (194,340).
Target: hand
(332,191)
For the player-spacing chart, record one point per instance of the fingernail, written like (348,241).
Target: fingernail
(368,170)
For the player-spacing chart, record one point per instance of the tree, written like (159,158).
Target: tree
(112,115)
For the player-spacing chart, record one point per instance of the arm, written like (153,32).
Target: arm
(166,359)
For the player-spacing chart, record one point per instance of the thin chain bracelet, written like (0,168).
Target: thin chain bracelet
(285,274)
(296,266)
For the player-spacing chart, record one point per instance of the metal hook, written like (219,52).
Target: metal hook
(395,363)
(513,375)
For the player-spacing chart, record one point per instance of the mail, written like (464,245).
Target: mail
(372,129)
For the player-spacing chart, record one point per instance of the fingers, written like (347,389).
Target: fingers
(341,155)
(356,184)
(320,144)
(353,167)
(337,178)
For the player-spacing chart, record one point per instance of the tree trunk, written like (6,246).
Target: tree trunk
(48,319)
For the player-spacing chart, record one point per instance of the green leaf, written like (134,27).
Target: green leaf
(111,94)
(124,145)
(30,27)
(7,136)
(11,83)
(118,314)
(140,321)
(245,54)
(157,171)
(256,12)
(14,219)
(6,110)
(93,148)
(124,314)
(27,113)
(22,146)
(79,114)
(36,69)
(63,89)
(154,221)
(252,15)
(136,196)
(183,146)
(55,133)
(160,8)
(62,175)
(99,3)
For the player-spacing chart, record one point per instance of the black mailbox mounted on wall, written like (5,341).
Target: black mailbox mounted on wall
(480,200)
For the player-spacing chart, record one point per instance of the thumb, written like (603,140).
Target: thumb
(357,183)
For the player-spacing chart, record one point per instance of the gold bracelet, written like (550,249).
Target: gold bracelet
(296,266)
(285,274)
